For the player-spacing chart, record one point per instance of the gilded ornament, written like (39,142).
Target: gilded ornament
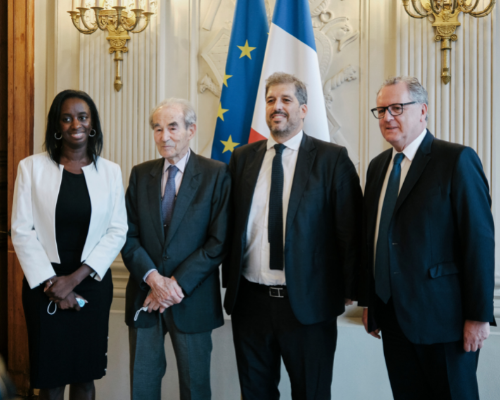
(118,21)
(445,14)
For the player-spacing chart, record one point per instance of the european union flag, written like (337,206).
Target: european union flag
(247,48)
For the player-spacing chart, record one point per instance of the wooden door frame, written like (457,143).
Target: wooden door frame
(21,77)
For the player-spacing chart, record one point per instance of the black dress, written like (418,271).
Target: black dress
(69,346)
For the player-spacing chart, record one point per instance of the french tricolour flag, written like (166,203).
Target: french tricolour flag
(291,48)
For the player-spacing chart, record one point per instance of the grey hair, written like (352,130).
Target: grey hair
(281,77)
(417,92)
(186,106)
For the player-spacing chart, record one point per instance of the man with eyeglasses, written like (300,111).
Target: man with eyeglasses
(429,268)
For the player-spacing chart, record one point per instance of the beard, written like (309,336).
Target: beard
(284,131)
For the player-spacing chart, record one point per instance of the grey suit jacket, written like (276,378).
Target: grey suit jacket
(193,249)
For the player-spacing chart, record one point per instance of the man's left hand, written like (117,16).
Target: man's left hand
(475,333)
(153,304)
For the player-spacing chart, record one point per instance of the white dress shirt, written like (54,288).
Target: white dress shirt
(409,153)
(181,166)
(256,257)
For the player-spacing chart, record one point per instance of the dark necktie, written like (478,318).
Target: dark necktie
(275,223)
(382,261)
(167,204)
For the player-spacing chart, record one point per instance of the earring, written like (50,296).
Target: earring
(57,138)
(95,133)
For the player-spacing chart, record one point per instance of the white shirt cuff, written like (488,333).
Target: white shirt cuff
(147,274)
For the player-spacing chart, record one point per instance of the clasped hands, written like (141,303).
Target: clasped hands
(59,289)
(165,292)
(475,332)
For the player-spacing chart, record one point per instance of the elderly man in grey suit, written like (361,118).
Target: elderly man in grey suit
(177,210)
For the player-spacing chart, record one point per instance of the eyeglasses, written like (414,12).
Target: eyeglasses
(394,110)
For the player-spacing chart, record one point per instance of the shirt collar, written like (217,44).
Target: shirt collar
(292,144)
(412,148)
(181,164)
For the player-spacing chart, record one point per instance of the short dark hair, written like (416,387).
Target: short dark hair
(52,145)
(282,77)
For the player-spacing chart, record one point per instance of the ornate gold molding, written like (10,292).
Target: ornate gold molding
(445,13)
(118,22)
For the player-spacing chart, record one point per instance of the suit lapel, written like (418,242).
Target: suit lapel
(251,172)
(189,186)
(154,196)
(252,167)
(418,165)
(305,160)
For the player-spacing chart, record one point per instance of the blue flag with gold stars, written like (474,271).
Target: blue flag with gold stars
(247,48)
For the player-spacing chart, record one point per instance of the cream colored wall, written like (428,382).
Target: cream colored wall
(182,53)
(57,59)
(185,47)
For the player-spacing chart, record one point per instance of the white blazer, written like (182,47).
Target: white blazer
(33,216)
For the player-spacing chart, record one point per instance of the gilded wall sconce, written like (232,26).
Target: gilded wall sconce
(445,14)
(118,22)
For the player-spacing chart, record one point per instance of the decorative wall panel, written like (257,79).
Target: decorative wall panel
(464,111)
(158,65)
(360,43)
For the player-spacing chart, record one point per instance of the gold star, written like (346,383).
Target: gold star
(229,145)
(226,77)
(220,113)
(246,49)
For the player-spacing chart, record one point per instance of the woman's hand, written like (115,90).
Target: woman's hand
(70,302)
(59,287)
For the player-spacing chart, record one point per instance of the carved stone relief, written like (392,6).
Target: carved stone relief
(130,4)
(215,54)
(208,84)
(332,34)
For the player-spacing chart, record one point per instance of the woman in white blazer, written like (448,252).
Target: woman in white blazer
(68,225)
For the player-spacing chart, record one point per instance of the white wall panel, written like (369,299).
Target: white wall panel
(466,110)
(163,62)
(157,66)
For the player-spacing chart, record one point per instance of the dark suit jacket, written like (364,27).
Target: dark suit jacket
(193,249)
(441,242)
(323,227)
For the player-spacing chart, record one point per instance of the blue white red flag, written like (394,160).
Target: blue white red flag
(291,48)
(247,48)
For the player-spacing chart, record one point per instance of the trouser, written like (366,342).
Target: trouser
(148,362)
(265,330)
(441,371)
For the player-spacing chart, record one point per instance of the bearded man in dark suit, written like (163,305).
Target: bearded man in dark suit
(295,246)
(429,272)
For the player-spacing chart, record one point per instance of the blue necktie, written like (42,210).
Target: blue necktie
(167,204)
(382,261)
(275,223)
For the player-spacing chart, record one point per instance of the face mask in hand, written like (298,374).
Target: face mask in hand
(141,309)
(79,300)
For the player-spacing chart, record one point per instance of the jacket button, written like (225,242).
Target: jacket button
(394,244)
(165,258)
